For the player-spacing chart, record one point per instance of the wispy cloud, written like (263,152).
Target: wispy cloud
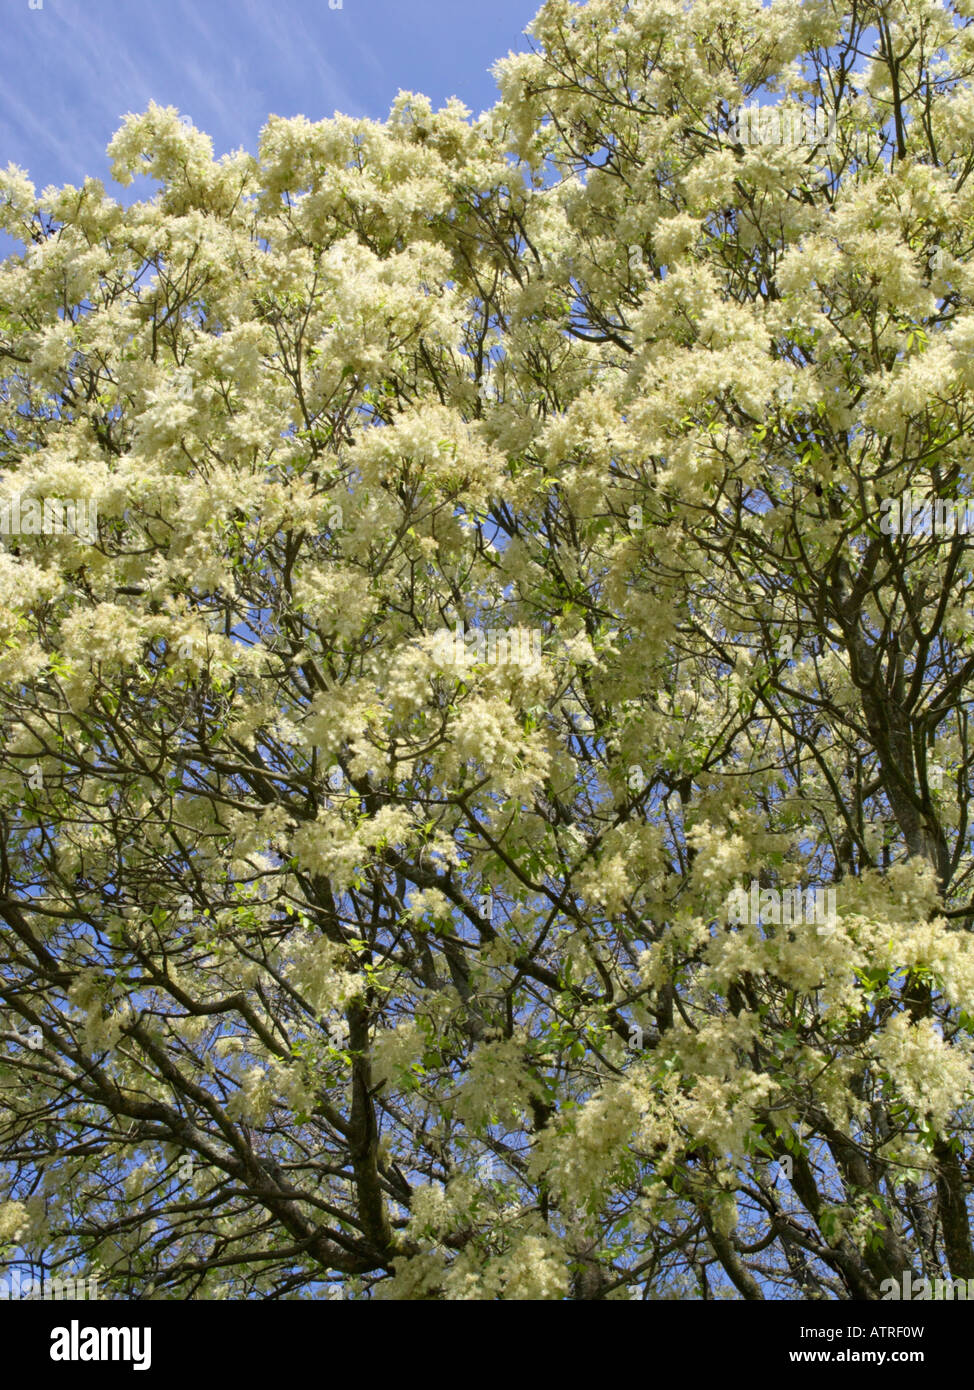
(74,68)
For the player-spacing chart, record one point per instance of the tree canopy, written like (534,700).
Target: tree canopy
(488,582)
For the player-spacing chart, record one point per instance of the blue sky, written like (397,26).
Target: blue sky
(74,68)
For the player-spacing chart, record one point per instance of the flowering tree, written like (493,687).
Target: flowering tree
(485,798)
